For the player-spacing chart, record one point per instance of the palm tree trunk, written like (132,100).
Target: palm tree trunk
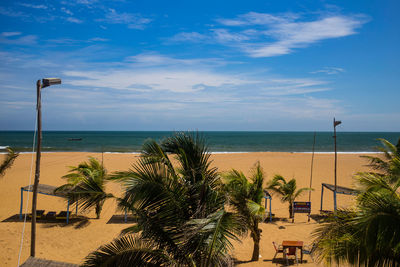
(290,210)
(256,239)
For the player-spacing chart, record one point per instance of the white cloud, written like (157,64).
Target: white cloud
(223,35)
(67,11)
(290,35)
(329,70)
(153,73)
(184,81)
(9,34)
(134,21)
(267,35)
(189,36)
(23,40)
(74,20)
(33,6)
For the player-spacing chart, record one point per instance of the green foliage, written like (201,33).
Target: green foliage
(287,190)
(86,185)
(8,161)
(245,197)
(180,211)
(369,235)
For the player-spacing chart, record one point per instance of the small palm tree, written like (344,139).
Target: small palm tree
(287,190)
(245,197)
(8,161)
(86,185)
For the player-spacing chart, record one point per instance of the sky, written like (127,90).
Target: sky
(201,65)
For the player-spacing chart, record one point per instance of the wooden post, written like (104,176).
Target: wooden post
(322,195)
(37,172)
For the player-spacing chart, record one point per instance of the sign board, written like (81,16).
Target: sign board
(301,207)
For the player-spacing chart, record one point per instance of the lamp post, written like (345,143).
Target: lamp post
(335,123)
(39,85)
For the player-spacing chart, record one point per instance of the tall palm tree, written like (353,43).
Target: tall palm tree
(369,235)
(180,213)
(86,185)
(287,190)
(245,197)
(8,161)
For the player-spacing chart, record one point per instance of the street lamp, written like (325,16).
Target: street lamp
(335,123)
(39,85)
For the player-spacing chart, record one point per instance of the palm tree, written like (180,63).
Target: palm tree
(369,235)
(86,185)
(388,165)
(8,161)
(366,236)
(287,190)
(245,197)
(180,213)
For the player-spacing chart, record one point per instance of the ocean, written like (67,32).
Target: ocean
(218,142)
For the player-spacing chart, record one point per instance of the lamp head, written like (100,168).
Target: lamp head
(336,123)
(51,81)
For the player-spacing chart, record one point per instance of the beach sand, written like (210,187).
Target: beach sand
(72,242)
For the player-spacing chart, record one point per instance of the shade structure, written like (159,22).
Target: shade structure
(45,190)
(339,190)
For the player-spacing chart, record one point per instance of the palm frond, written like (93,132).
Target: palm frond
(128,251)
(8,161)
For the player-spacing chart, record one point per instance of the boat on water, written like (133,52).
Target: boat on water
(74,139)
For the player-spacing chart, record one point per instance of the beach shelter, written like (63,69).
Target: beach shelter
(45,190)
(267,197)
(339,190)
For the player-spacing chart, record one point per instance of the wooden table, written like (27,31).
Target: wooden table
(296,244)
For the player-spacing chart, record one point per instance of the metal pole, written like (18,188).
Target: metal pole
(270,209)
(37,172)
(312,164)
(68,212)
(22,199)
(334,137)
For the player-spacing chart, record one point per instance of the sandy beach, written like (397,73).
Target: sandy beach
(72,242)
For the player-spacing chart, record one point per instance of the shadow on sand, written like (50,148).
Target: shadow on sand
(74,221)
(120,219)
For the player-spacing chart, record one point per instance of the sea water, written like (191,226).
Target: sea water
(218,141)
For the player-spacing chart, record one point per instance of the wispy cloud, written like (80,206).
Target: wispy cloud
(267,35)
(74,20)
(329,70)
(67,11)
(9,34)
(9,12)
(23,40)
(189,36)
(154,72)
(133,21)
(33,6)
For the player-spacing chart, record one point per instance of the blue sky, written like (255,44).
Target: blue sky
(205,65)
